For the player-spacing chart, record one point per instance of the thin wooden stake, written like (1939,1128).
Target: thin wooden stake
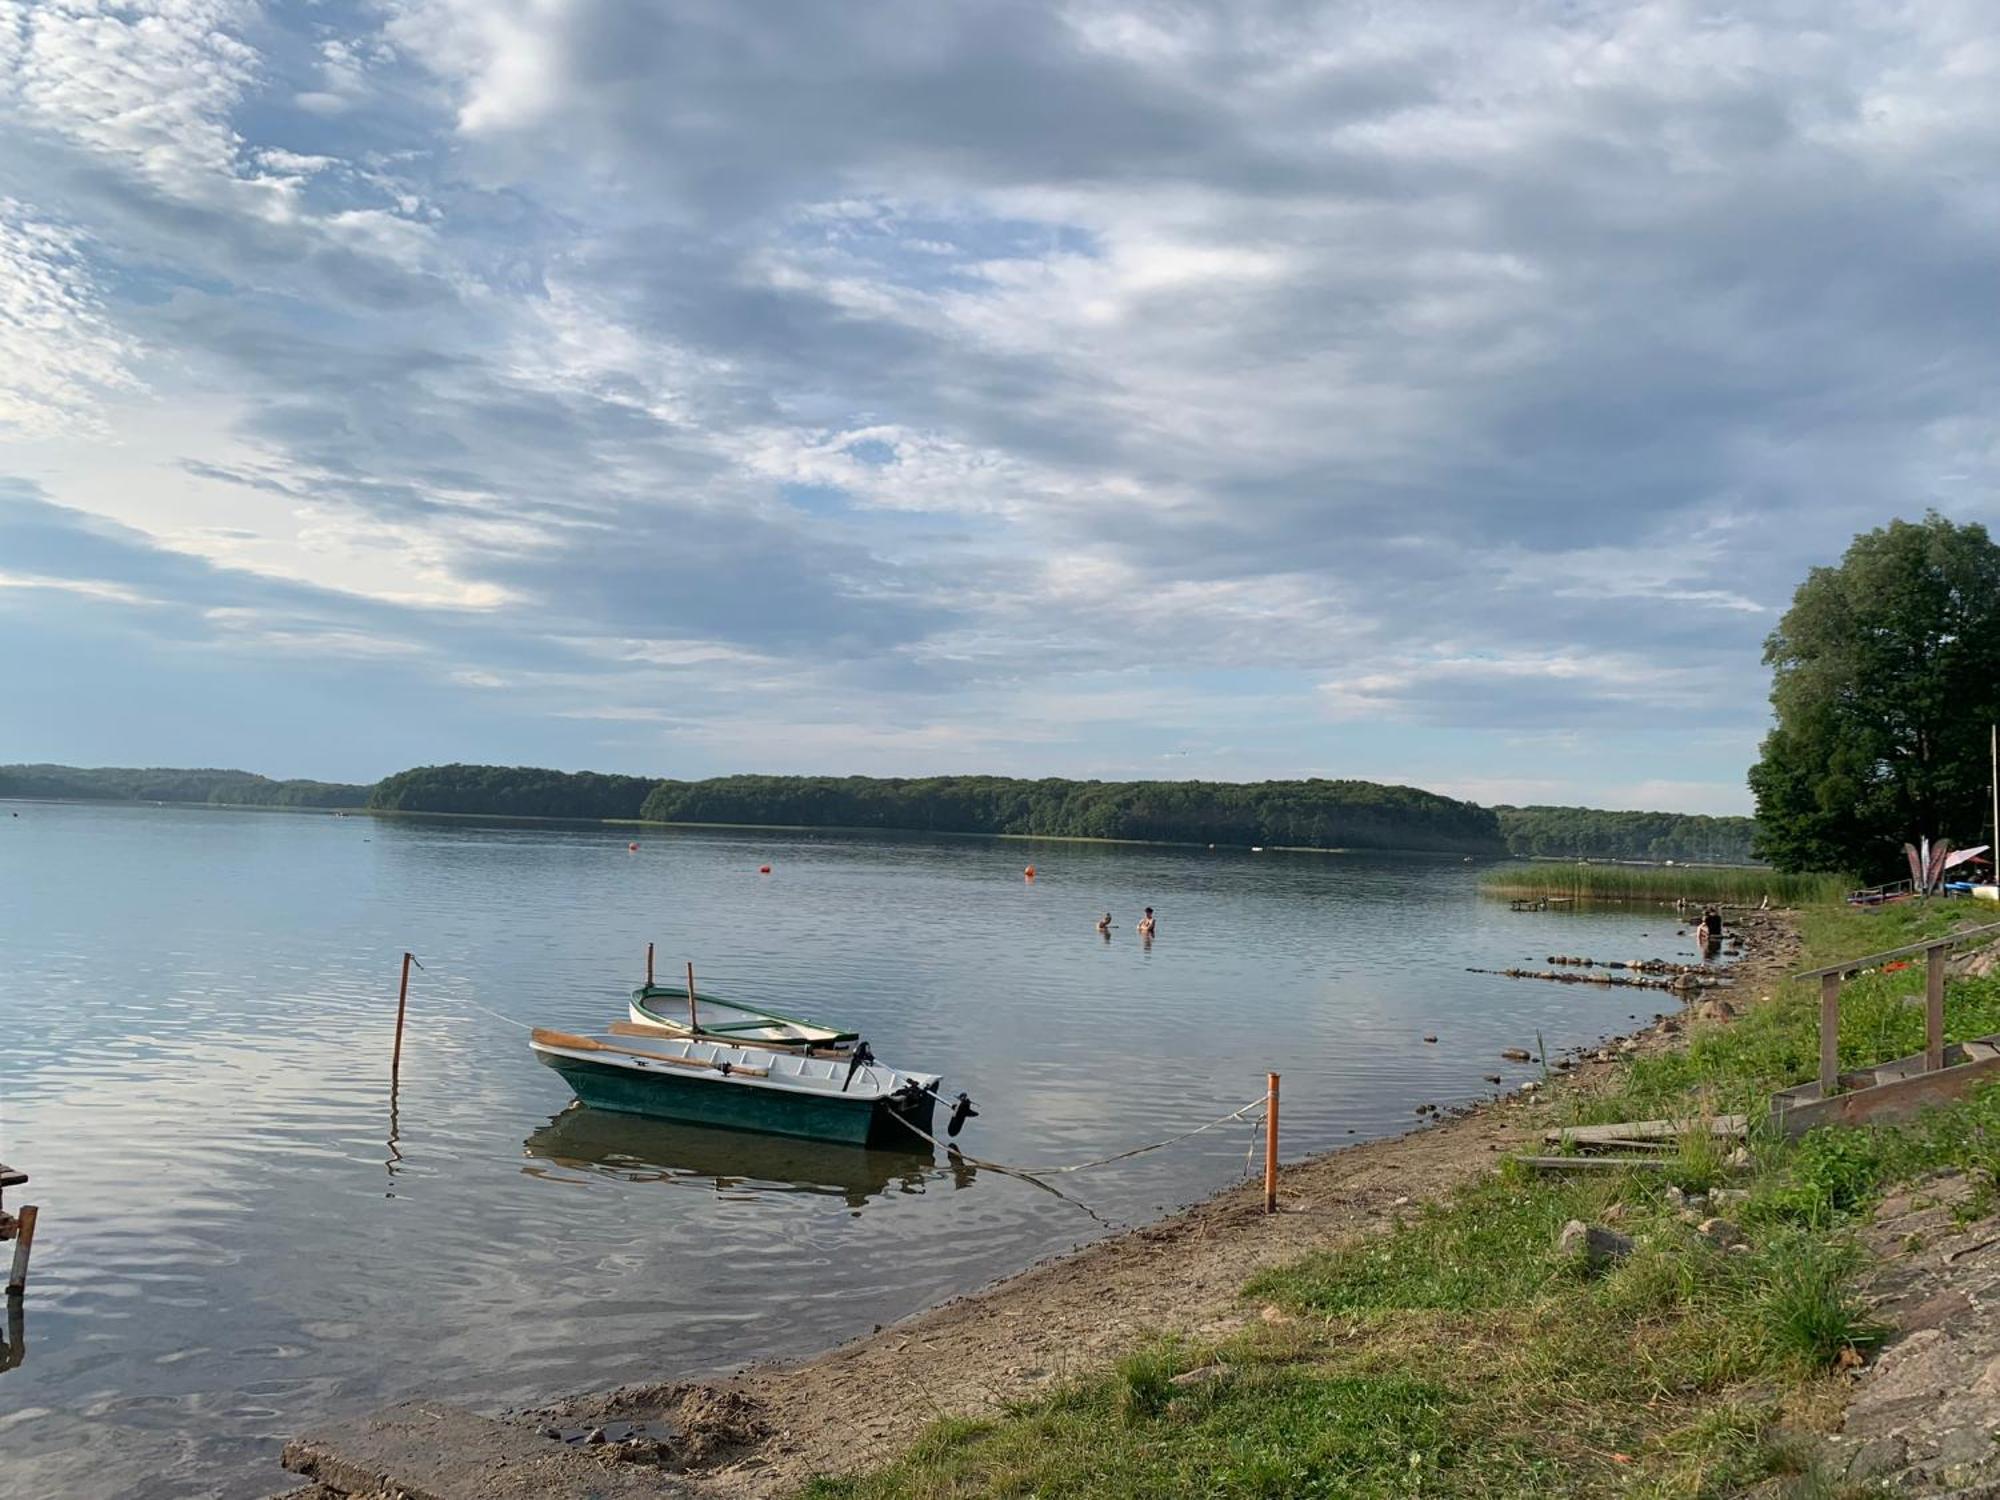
(402,1005)
(1270,1143)
(649,966)
(1829,1035)
(694,1022)
(24,1236)
(1934,1008)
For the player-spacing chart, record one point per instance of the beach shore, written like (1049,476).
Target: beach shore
(769,1428)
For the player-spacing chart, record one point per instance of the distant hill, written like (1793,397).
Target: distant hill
(1591,833)
(159,784)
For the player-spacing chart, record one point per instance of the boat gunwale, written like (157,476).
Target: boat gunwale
(646,992)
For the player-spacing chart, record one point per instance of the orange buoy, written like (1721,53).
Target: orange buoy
(763,869)
(1029,872)
(631,848)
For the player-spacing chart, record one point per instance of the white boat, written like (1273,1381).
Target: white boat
(664,1007)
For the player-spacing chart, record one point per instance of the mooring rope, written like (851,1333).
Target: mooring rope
(1032,1173)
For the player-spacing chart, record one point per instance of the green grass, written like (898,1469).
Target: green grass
(1458,1353)
(1734,885)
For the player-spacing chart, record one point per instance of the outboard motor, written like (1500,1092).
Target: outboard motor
(960,1113)
(858,1058)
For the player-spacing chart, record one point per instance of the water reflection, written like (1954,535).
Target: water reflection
(632,1148)
(15,1350)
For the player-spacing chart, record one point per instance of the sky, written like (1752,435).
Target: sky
(1449,395)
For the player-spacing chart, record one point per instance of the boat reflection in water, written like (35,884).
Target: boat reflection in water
(635,1148)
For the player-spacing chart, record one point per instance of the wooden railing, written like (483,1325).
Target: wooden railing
(1875,895)
(1935,952)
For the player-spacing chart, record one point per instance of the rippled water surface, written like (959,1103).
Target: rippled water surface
(198,1007)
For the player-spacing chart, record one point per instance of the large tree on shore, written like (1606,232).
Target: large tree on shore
(1885,676)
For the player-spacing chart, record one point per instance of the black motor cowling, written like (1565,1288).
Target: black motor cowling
(858,1058)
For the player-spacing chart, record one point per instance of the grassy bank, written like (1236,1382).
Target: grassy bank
(1735,885)
(1462,1354)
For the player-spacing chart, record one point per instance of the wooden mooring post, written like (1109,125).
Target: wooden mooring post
(20,1228)
(402,1005)
(1270,1143)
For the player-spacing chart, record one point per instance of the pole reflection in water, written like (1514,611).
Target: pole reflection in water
(634,1148)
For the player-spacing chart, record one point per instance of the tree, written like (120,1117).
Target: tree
(1885,673)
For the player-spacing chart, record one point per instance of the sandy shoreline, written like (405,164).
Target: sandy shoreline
(768,1428)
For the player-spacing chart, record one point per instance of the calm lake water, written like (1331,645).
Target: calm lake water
(198,1008)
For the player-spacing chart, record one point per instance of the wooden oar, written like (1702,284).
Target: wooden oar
(575,1043)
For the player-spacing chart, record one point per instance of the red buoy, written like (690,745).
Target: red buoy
(1029,872)
(763,869)
(632,848)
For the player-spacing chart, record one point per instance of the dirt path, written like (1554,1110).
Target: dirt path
(766,1430)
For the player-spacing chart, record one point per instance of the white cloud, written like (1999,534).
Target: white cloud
(1317,373)
(59,352)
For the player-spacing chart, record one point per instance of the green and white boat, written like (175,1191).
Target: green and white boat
(664,1007)
(797,1091)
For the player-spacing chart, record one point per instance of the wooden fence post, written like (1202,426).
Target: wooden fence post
(1270,1143)
(1829,1035)
(24,1236)
(1934,1007)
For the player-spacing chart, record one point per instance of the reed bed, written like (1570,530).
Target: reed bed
(1734,885)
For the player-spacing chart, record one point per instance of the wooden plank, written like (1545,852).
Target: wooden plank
(1829,1035)
(1594,1163)
(1649,1147)
(575,1043)
(1934,1007)
(1870,960)
(11,1178)
(1648,1130)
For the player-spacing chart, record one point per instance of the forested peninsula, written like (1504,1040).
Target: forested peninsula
(212,787)
(1316,814)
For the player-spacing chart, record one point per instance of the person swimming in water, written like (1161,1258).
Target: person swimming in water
(1146,923)
(1104,924)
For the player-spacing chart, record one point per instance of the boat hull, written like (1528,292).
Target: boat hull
(697,1100)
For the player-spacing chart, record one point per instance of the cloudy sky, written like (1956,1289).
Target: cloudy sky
(1443,394)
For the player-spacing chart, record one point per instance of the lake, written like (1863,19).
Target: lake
(199,1006)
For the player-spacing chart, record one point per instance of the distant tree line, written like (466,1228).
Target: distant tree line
(1590,833)
(1308,814)
(133,784)
(1315,814)
(512,791)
